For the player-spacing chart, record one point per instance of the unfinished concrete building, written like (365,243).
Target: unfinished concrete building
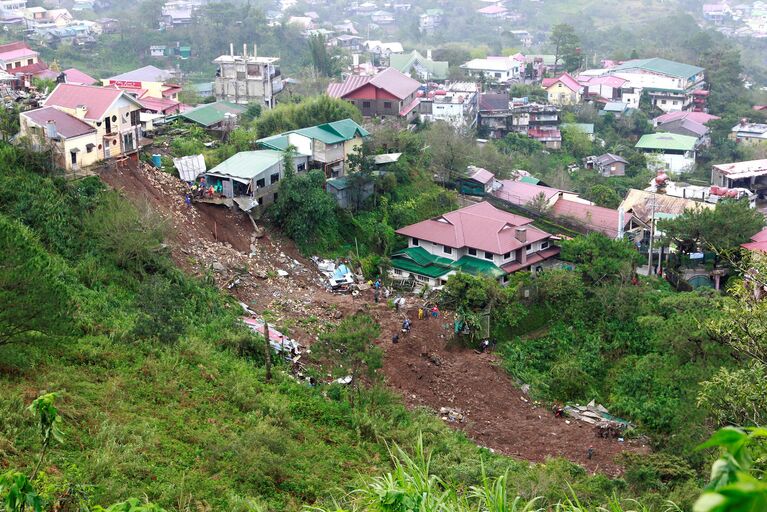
(247,78)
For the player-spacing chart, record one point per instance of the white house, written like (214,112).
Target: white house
(496,69)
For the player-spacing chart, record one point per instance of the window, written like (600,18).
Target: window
(29,62)
(301,167)
(544,244)
(447,250)
(507,255)
(662,102)
(260,183)
(274,178)
(488,255)
(423,279)
(497,75)
(387,104)
(472,251)
(365,104)
(397,272)
(529,247)
(275,197)
(260,200)
(135,118)
(415,242)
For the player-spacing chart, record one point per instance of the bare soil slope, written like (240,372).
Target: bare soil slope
(422,366)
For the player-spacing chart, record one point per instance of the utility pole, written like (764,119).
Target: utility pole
(652,235)
(267,353)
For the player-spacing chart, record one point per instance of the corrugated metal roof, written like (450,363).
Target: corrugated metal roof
(479,226)
(667,141)
(663,66)
(67,126)
(246,165)
(96,100)
(212,113)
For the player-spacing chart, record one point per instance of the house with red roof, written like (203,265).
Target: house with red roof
(389,93)
(479,239)
(77,77)
(563,90)
(149,81)
(18,58)
(84,124)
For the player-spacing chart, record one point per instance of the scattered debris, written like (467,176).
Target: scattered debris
(451,415)
(605,424)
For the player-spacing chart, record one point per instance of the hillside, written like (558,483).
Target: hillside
(163,397)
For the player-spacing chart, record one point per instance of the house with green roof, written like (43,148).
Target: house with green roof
(670,151)
(327,146)
(250,178)
(416,65)
(480,239)
(672,86)
(213,115)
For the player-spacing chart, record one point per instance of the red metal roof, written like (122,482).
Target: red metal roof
(566,79)
(160,105)
(592,217)
(479,226)
(66,125)
(482,176)
(352,83)
(75,76)
(521,193)
(96,100)
(16,50)
(33,69)
(698,117)
(390,80)
(532,259)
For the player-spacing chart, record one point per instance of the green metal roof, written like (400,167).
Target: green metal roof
(667,141)
(404,62)
(530,179)
(664,66)
(476,266)
(587,128)
(212,113)
(419,261)
(328,133)
(333,133)
(278,142)
(246,165)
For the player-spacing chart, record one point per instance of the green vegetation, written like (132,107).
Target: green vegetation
(183,417)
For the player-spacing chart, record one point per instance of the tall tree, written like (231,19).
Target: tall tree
(724,228)
(360,175)
(565,43)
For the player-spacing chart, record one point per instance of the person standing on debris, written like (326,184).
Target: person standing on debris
(590,452)
(377,284)
(435,311)
(188,199)
(420,314)
(406,325)
(395,338)
(376,295)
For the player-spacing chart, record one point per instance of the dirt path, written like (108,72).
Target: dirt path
(423,367)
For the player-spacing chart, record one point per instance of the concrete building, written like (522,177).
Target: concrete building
(478,239)
(496,69)
(84,125)
(456,104)
(675,153)
(247,78)
(751,175)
